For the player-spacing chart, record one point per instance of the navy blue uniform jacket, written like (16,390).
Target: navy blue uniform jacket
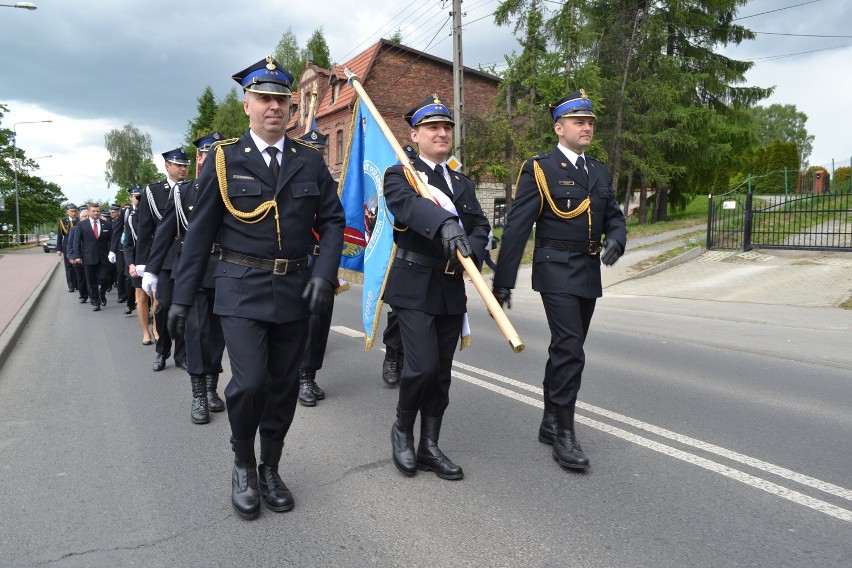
(415,286)
(555,271)
(306,195)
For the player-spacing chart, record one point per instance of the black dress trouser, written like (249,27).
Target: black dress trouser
(165,288)
(429,343)
(262,393)
(569,318)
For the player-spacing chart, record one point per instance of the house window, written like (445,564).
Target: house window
(339,146)
(335,92)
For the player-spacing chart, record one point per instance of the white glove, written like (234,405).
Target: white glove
(140,270)
(149,284)
(111,257)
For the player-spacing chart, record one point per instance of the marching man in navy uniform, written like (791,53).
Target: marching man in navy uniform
(65,225)
(570,199)
(152,207)
(319,324)
(425,286)
(262,194)
(202,338)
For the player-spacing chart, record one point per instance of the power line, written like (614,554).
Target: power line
(778,10)
(773,57)
(802,35)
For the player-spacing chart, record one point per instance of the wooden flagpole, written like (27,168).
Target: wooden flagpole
(420,185)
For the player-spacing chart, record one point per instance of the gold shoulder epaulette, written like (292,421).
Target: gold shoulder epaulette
(224,142)
(306,144)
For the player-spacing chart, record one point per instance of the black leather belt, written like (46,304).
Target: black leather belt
(430,261)
(590,247)
(277,266)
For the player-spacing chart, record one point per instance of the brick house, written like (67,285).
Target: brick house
(396,77)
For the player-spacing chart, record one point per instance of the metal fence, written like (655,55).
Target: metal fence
(809,220)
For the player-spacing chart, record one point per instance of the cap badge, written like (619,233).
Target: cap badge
(269,63)
(313,135)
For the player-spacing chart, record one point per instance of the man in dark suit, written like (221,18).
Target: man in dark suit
(152,207)
(65,225)
(91,246)
(425,285)
(203,337)
(263,194)
(74,257)
(570,199)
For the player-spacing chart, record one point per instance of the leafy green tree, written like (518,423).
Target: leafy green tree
(202,124)
(785,123)
(288,53)
(230,118)
(318,48)
(842,182)
(129,150)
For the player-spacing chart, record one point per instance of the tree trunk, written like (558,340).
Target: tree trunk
(622,95)
(642,213)
(628,193)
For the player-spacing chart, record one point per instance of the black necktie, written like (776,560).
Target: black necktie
(439,169)
(273,161)
(581,165)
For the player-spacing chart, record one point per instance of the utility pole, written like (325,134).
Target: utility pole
(458,82)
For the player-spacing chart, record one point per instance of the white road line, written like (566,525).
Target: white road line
(742,477)
(812,482)
(348,331)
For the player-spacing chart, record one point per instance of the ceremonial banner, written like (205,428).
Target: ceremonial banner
(368,238)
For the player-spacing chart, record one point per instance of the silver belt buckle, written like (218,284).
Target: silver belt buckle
(282,263)
(447,270)
(594,247)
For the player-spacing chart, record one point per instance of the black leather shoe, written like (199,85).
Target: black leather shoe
(306,392)
(391,367)
(567,451)
(103,298)
(429,456)
(183,366)
(96,308)
(310,376)
(547,430)
(402,442)
(72,289)
(122,300)
(275,494)
(128,311)
(245,495)
(214,403)
(159,362)
(199,413)
(84,300)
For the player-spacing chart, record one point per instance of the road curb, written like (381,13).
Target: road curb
(13,331)
(679,259)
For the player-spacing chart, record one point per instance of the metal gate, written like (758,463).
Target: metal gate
(805,221)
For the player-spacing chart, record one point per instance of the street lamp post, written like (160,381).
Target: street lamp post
(15,160)
(24,5)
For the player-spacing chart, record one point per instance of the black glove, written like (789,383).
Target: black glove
(176,321)
(612,251)
(454,238)
(503,296)
(319,293)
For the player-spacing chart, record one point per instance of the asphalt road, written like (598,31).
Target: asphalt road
(718,436)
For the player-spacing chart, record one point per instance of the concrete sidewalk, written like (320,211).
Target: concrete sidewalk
(797,278)
(24,274)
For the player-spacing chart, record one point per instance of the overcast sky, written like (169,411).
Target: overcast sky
(91,66)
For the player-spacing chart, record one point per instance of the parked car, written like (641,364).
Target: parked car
(49,245)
